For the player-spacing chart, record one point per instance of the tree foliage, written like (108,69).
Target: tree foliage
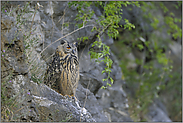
(108,22)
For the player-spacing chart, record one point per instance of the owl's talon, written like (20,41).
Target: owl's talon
(67,96)
(75,99)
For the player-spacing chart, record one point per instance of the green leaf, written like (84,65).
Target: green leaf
(111,80)
(140,46)
(103,71)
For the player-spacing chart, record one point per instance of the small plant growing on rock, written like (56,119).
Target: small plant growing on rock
(9,101)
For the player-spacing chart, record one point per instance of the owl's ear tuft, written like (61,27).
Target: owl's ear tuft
(76,44)
(63,41)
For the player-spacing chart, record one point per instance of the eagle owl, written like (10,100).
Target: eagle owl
(63,71)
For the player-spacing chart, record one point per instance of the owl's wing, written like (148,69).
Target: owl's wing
(53,72)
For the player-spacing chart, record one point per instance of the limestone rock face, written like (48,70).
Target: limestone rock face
(38,102)
(32,102)
(35,102)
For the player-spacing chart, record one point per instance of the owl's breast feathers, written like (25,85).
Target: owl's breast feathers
(65,63)
(63,72)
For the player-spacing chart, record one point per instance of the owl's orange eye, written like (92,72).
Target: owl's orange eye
(68,47)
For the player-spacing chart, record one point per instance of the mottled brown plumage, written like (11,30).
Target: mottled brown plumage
(63,72)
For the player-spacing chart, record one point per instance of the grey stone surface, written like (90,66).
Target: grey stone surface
(40,103)
(89,101)
(156,114)
(33,102)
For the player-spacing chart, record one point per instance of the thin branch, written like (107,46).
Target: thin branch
(86,96)
(60,39)
(52,22)
(33,17)
(63,14)
(64,37)
(105,29)
(86,93)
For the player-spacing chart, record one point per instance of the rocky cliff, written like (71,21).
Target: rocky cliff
(26,51)
(35,101)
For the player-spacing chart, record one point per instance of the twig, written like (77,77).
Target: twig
(86,96)
(63,14)
(105,29)
(19,109)
(52,23)
(60,39)
(33,17)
